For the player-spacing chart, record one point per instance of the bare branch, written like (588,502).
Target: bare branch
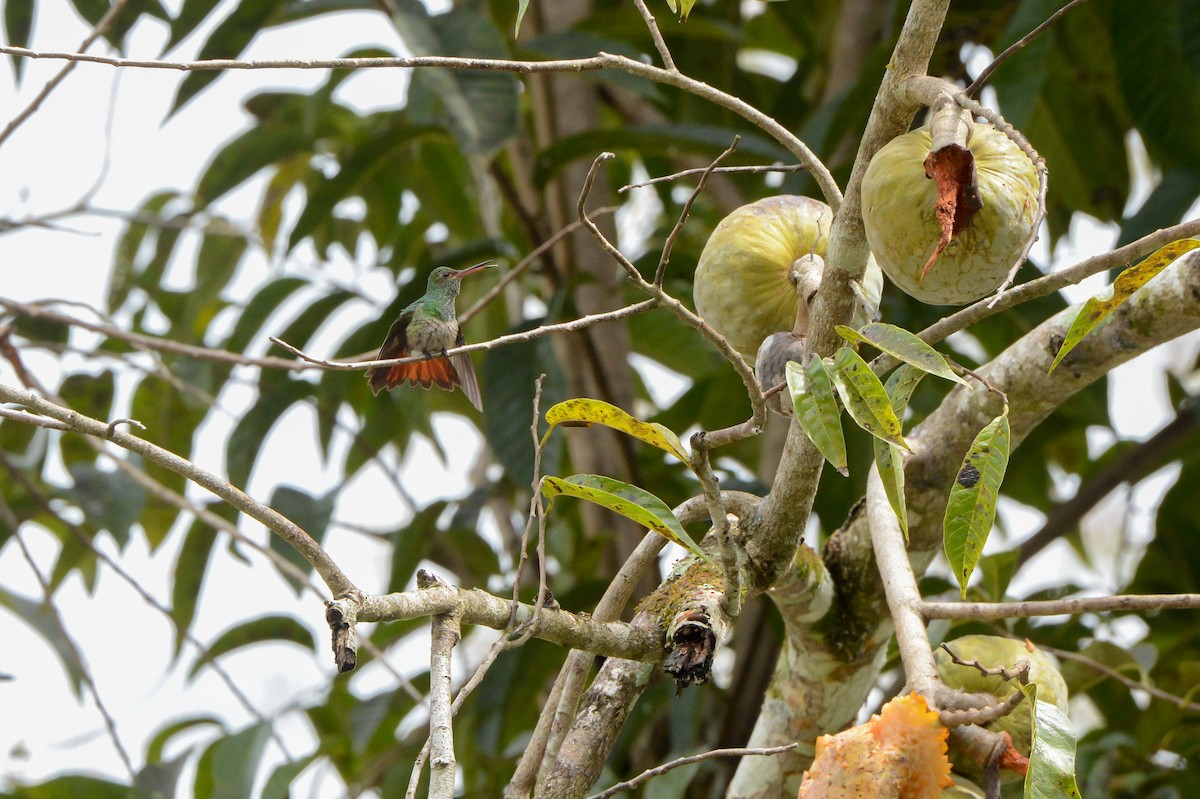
(710,170)
(286,529)
(612,639)
(1179,701)
(102,26)
(665,257)
(651,773)
(513,338)
(656,35)
(1128,603)
(978,83)
(900,586)
(446,634)
(829,187)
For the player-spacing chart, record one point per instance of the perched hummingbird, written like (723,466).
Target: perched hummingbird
(428,327)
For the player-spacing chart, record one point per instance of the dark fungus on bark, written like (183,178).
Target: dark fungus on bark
(692,648)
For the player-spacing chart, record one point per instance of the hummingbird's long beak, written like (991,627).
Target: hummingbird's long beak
(461,273)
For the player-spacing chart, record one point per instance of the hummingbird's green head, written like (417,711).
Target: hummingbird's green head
(444,278)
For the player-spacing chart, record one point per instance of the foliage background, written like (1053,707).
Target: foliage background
(453,168)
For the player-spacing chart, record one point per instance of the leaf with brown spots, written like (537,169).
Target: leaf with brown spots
(971,508)
(952,169)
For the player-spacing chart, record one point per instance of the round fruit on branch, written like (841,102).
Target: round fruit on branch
(947,227)
(749,282)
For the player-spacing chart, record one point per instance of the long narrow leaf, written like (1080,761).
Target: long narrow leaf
(899,387)
(865,398)
(1051,773)
(902,345)
(1096,310)
(817,411)
(628,500)
(592,411)
(971,508)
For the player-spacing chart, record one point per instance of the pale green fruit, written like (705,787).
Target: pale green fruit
(743,285)
(993,651)
(898,204)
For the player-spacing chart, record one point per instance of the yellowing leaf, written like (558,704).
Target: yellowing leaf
(1096,310)
(681,7)
(628,500)
(901,345)
(971,508)
(593,411)
(864,397)
(817,410)
(900,387)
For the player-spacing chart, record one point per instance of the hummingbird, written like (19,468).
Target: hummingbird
(427,327)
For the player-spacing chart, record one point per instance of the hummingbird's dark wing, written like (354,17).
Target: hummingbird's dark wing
(464,371)
(441,372)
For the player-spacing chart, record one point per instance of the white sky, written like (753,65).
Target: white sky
(54,159)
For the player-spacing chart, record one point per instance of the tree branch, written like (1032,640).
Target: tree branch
(1128,603)
(286,529)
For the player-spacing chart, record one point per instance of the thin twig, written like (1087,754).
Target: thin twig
(754,392)
(537,513)
(720,170)
(286,529)
(820,173)
(525,263)
(650,773)
(686,211)
(85,541)
(660,44)
(101,28)
(501,341)
(978,83)
(1127,603)
(1181,702)
(1048,284)
(10,520)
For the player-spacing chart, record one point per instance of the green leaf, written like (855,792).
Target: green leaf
(43,619)
(585,412)
(110,500)
(480,108)
(265,629)
(241,450)
(902,345)
(190,568)
(888,457)
(507,377)
(971,508)
(228,40)
(311,513)
(259,309)
(1096,310)
(122,277)
(228,767)
(628,500)
(281,778)
(865,398)
(522,7)
(18,24)
(91,395)
(154,749)
(681,7)
(75,786)
(817,410)
(191,14)
(1051,773)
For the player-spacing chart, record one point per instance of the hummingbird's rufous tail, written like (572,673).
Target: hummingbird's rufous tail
(446,373)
